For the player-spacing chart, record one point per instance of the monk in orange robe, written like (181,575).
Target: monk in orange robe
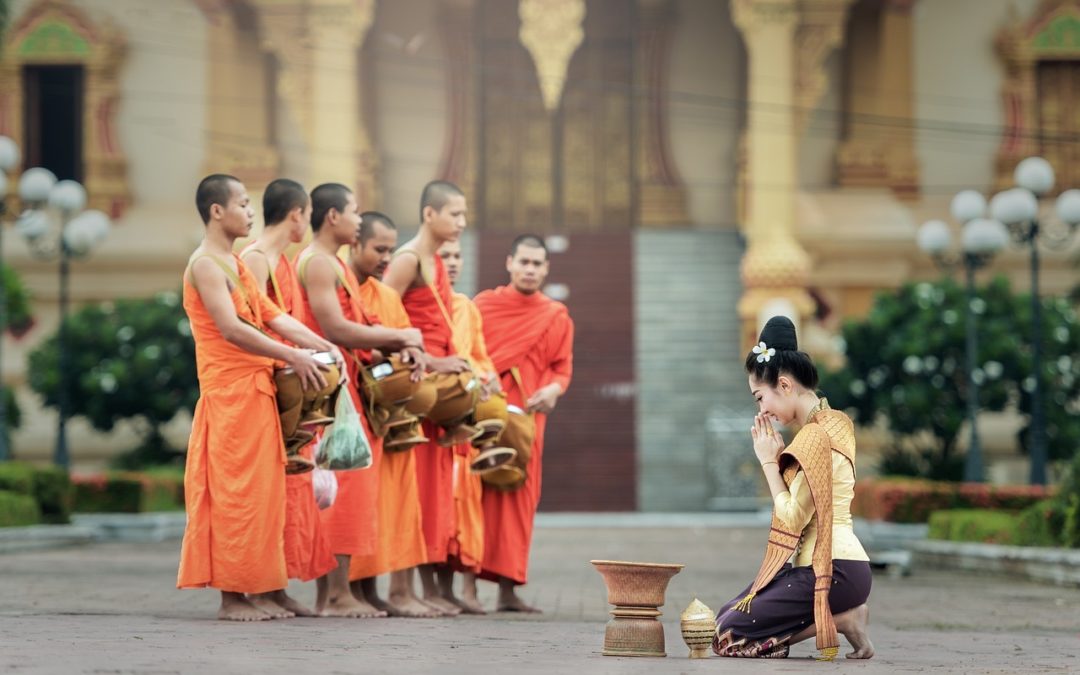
(287,216)
(401,534)
(331,294)
(236,455)
(467,546)
(530,338)
(417,274)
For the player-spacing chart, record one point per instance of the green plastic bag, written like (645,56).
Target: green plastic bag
(345,447)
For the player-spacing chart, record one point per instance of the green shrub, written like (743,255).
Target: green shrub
(130,492)
(909,500)
(54,494)
(1040,524)
(107,494)
(978,525)
(17,509)
(17,477)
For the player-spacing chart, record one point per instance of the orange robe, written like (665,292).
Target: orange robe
(307,552)
(535,334)
(401,532)
(434,464)
(467,545)
(351,523)
(234,481)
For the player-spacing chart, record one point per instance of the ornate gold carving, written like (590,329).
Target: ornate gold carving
(552,31)
(749,15)
(56,32)
(820,31)
(1052,33)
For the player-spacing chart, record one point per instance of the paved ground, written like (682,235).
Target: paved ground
(112,608)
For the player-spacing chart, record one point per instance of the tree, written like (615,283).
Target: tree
(906,364)
(17,320)
(134,360)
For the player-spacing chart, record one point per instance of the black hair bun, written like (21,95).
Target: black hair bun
(779,334)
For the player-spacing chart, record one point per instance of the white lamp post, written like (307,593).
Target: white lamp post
(55,226)
(982,238)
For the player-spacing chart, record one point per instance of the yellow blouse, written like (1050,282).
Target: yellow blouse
(796,508)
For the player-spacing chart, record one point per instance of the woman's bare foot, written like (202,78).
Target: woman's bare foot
(853,625)
(235,607)
(348,606)
(267,603)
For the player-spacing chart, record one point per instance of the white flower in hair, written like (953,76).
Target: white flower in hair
(764,353)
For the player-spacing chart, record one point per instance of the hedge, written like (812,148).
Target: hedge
(49,486)
(913,500)
(129,492)
(18,509)
(1038,525)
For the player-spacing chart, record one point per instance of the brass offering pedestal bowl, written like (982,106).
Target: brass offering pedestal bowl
(637,591)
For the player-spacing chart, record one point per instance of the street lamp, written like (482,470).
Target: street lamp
(1018,208)
(981,240)
(55,226)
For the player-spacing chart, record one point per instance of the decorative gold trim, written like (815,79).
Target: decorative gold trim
(552,31)
(56,32)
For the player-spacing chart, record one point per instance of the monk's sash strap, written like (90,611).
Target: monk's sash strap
(811,451)
(438,299)
(273,280)
(238,285)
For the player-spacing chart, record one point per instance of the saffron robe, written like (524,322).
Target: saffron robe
(234,481)
(434,463)
(401,532)
(467,544)
(535,335)
(351,522)
(307,552)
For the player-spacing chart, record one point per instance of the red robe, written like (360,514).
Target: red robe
(535,334)
(401,533)
(434,464)
(307,552)
(351,523)
(234,480)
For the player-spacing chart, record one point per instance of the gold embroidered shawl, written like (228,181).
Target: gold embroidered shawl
(826,431)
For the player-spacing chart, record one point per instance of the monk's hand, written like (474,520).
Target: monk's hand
(493,384)
(768,443)
(411,338)
(417,361)
(308,369)
(543,400)
(339,359)
(448,364)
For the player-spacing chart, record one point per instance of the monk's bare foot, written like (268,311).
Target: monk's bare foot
(512,603)
(266,603)
(442,604)
(855,625)
(282,599)
(411,608)
(235,607)
(470,605)
(349,607)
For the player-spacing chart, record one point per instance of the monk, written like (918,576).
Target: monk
(401,535)
(236,454)
(331,293)
(467,546)
(417,274)
(287,218)
(530,338)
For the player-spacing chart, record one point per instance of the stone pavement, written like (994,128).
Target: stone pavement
(112,608)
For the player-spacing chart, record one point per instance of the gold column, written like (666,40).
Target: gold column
(238,128)
(775,267)
(879,150)
(662,195)
(317,47)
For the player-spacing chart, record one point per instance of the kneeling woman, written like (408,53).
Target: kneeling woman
(812,483)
